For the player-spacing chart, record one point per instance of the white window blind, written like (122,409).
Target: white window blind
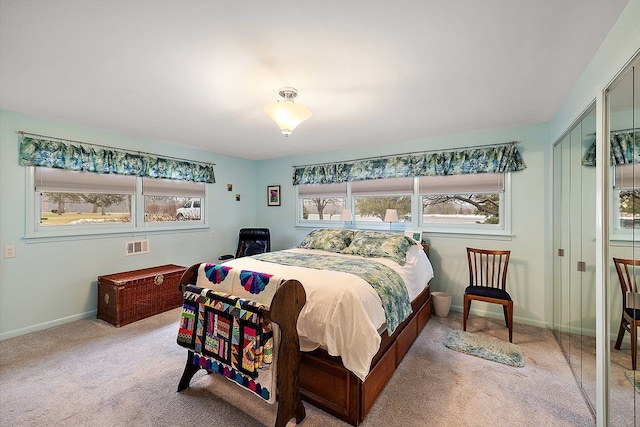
(64,181)
(627,176)
(461,184)
(377,187)
(307,191)
(172,187)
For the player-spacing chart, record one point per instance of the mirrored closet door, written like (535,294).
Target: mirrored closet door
(622,99)
(575,251)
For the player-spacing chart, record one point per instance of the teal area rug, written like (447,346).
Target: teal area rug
(634,378)
(485,347)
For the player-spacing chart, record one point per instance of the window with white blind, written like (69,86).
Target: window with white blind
(372,198)
(70,198)
(464,202)
(321,203)
(75,203)
(626,198)
(467,204)
(172,200)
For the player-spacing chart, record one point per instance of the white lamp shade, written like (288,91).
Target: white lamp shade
(287,115)
(345,215)
(391,215)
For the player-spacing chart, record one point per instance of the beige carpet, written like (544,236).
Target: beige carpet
(88,373)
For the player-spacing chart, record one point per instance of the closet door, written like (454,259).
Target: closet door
(623,122)
(586,264)
(574,252)
(562,192)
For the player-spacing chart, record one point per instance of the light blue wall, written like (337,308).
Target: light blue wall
(52,282)
(530,224)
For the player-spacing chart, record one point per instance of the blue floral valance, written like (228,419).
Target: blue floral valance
(42,152)
(494,159)
(625,149)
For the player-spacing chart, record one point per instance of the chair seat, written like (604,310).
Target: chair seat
(483,291)
(630,313)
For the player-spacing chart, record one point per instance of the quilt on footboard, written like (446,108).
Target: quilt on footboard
(228,334)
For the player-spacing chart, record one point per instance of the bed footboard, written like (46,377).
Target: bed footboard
(284,310)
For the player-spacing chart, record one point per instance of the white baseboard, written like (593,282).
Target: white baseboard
(516,319)
(47,325)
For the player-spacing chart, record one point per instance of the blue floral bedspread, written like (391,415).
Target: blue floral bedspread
(384,280)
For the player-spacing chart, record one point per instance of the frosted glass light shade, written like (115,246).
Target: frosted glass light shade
(287,115)
(391,215)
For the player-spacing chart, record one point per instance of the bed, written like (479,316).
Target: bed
(355,328)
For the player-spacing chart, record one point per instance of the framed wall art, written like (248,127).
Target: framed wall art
(273,195)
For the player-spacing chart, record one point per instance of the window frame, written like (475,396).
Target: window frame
(503,229)
(34,231)
(333,193)
(617,232)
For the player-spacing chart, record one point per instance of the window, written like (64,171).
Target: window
(69,198)
(469,204)
(371,198)
(626,194)
(463,201)
(75,203)
(321,203)
(168,200)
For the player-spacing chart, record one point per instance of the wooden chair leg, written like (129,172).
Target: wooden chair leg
(620,334)
(466,303)
(509,314)
(505,311)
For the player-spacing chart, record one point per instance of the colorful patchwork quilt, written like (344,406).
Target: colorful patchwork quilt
(228,333)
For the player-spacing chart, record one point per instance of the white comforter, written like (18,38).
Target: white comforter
(343,313)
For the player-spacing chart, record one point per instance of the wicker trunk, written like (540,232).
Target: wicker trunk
(133,295)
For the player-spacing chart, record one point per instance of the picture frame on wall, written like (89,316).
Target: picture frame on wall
(414,234)
(273,195)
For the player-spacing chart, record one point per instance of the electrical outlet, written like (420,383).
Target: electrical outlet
(10,251)
(213,234)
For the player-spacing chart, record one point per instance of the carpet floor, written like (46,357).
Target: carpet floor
(88,373)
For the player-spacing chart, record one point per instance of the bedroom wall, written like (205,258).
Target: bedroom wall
(529,273)
(55,281)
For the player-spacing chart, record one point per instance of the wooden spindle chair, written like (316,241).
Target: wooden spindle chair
(628,270)
(488,282)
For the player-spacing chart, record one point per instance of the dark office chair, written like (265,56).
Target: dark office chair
(627,270)
(488,283)
(251,241)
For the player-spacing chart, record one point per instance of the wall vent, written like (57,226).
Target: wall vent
(135,247)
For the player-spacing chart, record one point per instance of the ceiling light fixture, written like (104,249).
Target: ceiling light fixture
(285,113)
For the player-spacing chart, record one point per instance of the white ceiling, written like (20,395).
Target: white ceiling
(375,72)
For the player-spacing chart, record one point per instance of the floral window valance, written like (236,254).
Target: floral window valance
(76,156)
(493,159)
(625,149)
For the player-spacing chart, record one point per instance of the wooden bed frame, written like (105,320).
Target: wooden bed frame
(325,382)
